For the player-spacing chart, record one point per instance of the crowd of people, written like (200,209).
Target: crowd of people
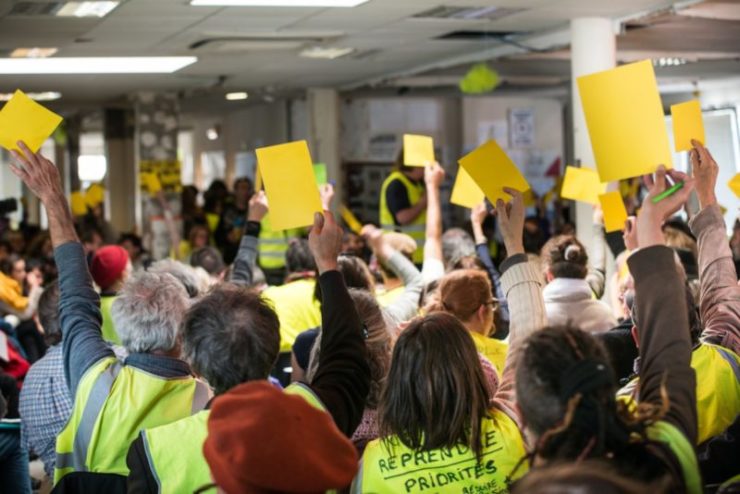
(498,356)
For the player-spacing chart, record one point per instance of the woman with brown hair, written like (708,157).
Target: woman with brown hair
(466,294)
(438,429)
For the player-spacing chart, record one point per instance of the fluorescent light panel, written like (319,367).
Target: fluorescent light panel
(277,3)
(35,52)
(86,9)
(328,53)
(237,96)
(94,65)
(45,96)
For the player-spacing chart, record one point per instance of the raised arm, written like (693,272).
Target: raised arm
(661,317)
(407,304)
(342,379)
(719,292)
(523,285)
(478,215)
(596,276)
(433,268)
(246,257)
(79,304)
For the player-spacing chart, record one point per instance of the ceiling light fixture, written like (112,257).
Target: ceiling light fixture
(95,65)
(669,61)
(86,9)
(33,52)
(277,3)
(237,96)
(45,96)
(328,53)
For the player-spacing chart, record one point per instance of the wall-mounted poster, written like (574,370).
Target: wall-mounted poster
(521,127)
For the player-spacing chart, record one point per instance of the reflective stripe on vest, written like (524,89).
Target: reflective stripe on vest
(417,228)
(272,246)
(175,454)
(683,451)
(112,404)
(391,467)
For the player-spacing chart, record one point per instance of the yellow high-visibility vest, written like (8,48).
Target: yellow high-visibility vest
(388,466)
(272,246)
(112,404)
(417,228)
(296,309)
(175,451)
(494,350)
(717,389)
(109,329)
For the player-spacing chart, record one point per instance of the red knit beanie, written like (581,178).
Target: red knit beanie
(108,265)
(262,440)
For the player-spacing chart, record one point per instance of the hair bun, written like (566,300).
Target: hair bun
(572,253)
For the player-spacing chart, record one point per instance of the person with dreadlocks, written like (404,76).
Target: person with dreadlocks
(439,431)
(566,387)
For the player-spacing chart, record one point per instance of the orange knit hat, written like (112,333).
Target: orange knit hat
(262,440)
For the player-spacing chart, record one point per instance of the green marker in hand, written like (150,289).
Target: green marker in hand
(667,193)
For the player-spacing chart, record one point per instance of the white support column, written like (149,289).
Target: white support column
(593,49)
(324,134)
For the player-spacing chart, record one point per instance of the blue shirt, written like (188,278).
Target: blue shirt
(45,406)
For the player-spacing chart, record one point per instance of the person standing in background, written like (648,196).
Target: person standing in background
(232,222)
(403,203)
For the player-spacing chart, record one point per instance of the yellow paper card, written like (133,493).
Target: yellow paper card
(95,195)
(734,184)
(352,222)
(151,182)
(466,192)
(79,206)
(417,150)
(492,170)
(22,119)
(625,121)
(582,184)
(687,124)
(290,184)
(615,214)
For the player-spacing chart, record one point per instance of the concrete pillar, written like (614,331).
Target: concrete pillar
(120,181)
(593,49)
(156,152)
(324,134)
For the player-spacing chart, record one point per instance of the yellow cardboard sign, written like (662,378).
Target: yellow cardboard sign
(417,150)
(615,214)
(625,121)
(466,192)
(352,222)
(290,184)
(734,184)
(492,170)
(151,182)
(77,201)
(582,184)
(687,124)
(95,195)
(22,119)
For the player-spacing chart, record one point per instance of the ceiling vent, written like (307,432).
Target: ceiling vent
(478,35)
(468,13)
(35,8)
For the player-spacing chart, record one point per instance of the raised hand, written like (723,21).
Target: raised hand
(258,207)
(478,214)
(652,215)
(325,241)
(705,171)
(373,236)
(326,192)
(38,173)
(630,233)
(434,175)
(511,221)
